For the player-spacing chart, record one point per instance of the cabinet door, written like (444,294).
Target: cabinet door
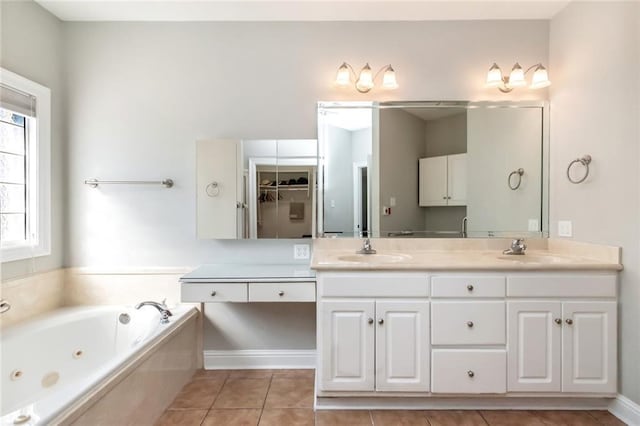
(534,342)
(433,181)
(347,346)
(457,180)
(402,346)
(589,347)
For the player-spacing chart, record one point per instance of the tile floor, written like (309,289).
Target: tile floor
(285,398)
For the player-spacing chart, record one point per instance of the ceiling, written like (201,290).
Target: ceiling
(300,10)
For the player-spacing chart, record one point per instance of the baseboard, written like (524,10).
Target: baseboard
(255,359)
(626,410)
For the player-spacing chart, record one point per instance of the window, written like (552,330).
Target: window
(25,111)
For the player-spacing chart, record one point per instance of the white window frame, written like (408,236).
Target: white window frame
(38,173)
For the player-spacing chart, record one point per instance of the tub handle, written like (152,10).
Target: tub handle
(4,306)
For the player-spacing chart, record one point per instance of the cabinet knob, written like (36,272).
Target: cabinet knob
(281,293)
(470,324)
(558,321)
(380,321)
(444,198)
(213,293)
(470,287)
(470,373)
(448,198)
(569,321)
(370,320)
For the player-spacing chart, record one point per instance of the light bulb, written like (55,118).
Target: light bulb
(343,78)
(540,78)
(365,79)
(494,76)
(516,78)
(389,79)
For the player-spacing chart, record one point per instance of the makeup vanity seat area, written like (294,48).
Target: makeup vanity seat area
(242,283)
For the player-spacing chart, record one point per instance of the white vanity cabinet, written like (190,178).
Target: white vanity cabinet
(443,180)
(369,341)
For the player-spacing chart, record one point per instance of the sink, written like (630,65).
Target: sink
(533,258)
(374,258)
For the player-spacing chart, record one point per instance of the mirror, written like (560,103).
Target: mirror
(256,188)
(435,169)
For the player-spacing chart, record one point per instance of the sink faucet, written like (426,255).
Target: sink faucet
(518,247)
(367,248)
(4,306)
(161,307)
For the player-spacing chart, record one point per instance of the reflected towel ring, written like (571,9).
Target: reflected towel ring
(518,172)
(585,160)
(213,189)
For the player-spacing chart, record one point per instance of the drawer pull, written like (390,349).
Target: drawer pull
(213,293)
(281,293)
(470,324)
(470,287)
(380,321)
(569,321)
(370,320)
(558,321)
(470,373)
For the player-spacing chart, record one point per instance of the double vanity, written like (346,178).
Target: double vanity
(453,318)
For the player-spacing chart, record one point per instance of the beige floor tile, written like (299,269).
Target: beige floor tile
(181,418)
(242,393)
(198,394)
(250,374)
(232,417)
(606,418)
(210,374)
(566,418)
(399,418)
(295,373)
(290,393)
(454,418)
(287,417)
(511,418)
(343,418)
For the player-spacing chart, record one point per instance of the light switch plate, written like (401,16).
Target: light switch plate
(392,202)
(534,225)
(301,251)
(565,228)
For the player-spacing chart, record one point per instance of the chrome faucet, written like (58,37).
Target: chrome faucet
(367,248)
(161,307)
(518,247)
(4,306)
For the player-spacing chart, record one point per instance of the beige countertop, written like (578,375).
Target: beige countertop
(463,255)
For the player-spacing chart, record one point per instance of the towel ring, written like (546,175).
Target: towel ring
(519,173)
(213,189)
(585,160)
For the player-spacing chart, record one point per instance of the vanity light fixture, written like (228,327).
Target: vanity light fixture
(516,78)
(365,81)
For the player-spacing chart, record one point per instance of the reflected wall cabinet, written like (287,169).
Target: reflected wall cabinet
(443,180)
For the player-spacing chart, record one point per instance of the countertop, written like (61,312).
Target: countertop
(249,272)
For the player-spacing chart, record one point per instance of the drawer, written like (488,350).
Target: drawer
(468,323)
(379,284)
(282,292)
(213,292)
(467,286)
(469,371)
(550,285)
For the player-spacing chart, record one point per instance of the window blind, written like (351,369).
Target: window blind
(17,101)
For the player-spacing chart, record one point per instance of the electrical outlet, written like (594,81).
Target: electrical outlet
(534,225)
(565,228)
(301,251)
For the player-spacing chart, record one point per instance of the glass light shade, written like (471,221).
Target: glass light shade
(343,78)
(494,76)
(365,80)
(540,78)
(516,78)
(389,79)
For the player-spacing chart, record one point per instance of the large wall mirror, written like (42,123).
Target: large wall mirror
(433,169)
(256,188)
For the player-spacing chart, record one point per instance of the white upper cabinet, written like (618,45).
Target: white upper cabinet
(443,180)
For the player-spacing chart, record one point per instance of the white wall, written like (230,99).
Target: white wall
(595,109)
(31,45)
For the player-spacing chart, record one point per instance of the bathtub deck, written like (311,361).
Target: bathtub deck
(285,398)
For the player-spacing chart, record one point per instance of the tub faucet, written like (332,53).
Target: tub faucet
(518,247)
(161,307)
(367,248)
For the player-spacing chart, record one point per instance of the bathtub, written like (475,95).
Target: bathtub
(51,364)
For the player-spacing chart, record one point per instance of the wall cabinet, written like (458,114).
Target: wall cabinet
(443,180)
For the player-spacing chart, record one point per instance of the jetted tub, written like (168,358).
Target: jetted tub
(51,362)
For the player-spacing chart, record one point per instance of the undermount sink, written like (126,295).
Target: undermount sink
(374,258)
(532,258)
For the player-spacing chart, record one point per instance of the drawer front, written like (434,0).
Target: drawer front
(282,292)
(468,323)
(467,286)
(550,285)
(469,371)
(379,284)
(213,292)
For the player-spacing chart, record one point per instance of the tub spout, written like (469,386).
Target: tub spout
(161,307)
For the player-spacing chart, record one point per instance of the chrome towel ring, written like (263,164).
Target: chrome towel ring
(213,189)
(585,161)
(518,173)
